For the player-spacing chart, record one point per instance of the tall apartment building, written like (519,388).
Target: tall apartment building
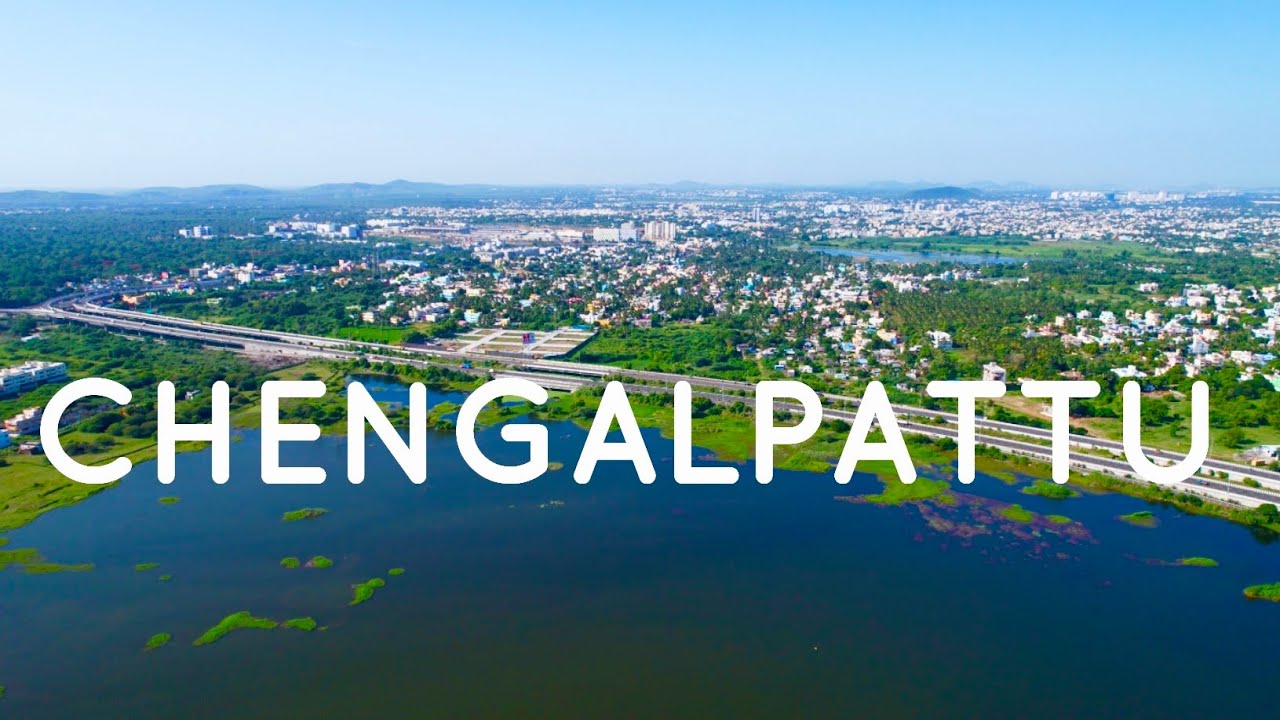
(660,231)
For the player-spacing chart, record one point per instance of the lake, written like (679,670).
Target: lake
(907,257)
(617,599)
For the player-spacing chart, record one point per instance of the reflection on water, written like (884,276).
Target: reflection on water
(617,599)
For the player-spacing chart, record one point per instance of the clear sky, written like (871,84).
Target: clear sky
(1136,94)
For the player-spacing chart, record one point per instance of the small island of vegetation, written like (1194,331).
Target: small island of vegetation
(1141,518)
(365,590)
(20,556)
(48,568)
(1017,513)
(305,624)
(303,514)
(236,621)
(1270,591)
(897,493)
(157,640)
(33,563)
(1051,490)
(1198,562)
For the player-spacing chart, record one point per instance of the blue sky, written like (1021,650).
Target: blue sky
(1127,94)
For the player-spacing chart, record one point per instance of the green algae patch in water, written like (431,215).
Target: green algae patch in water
(319,562)
(1197,562)
(34,563)
(20,556)
(1017,513)
(365,590)
(1142,519)
(1058,519)
(290,562)
(242,620)
(165,578)
(308,513)
(305,624)
(143,567)
(158,640)
(1051,490)
(48,568)
(395,572)
(1270,591)
(169,500)
(899,493)
(555,466)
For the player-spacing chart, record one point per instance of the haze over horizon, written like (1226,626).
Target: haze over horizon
(1012,186)
(1144,95)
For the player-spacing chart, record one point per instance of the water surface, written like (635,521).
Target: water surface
(908,257)
(626,601)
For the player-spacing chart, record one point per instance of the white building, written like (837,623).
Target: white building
(1129,373)
(19,379)
(940,339)
(26,422)
(198,231)
(992,372)
(659,231)
(606,234)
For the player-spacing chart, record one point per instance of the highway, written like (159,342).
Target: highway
(559,374)
(1215,489)
(585,369)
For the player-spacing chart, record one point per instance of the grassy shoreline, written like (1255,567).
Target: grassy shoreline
(32,486)
(726,431)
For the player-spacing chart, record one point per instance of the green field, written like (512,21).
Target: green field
(1002,246)
(387,335)
(700,349)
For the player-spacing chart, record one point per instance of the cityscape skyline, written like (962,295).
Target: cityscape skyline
(1171,95)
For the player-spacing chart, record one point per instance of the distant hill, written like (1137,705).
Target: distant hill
(943,192)
(47,198)
(350,194)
